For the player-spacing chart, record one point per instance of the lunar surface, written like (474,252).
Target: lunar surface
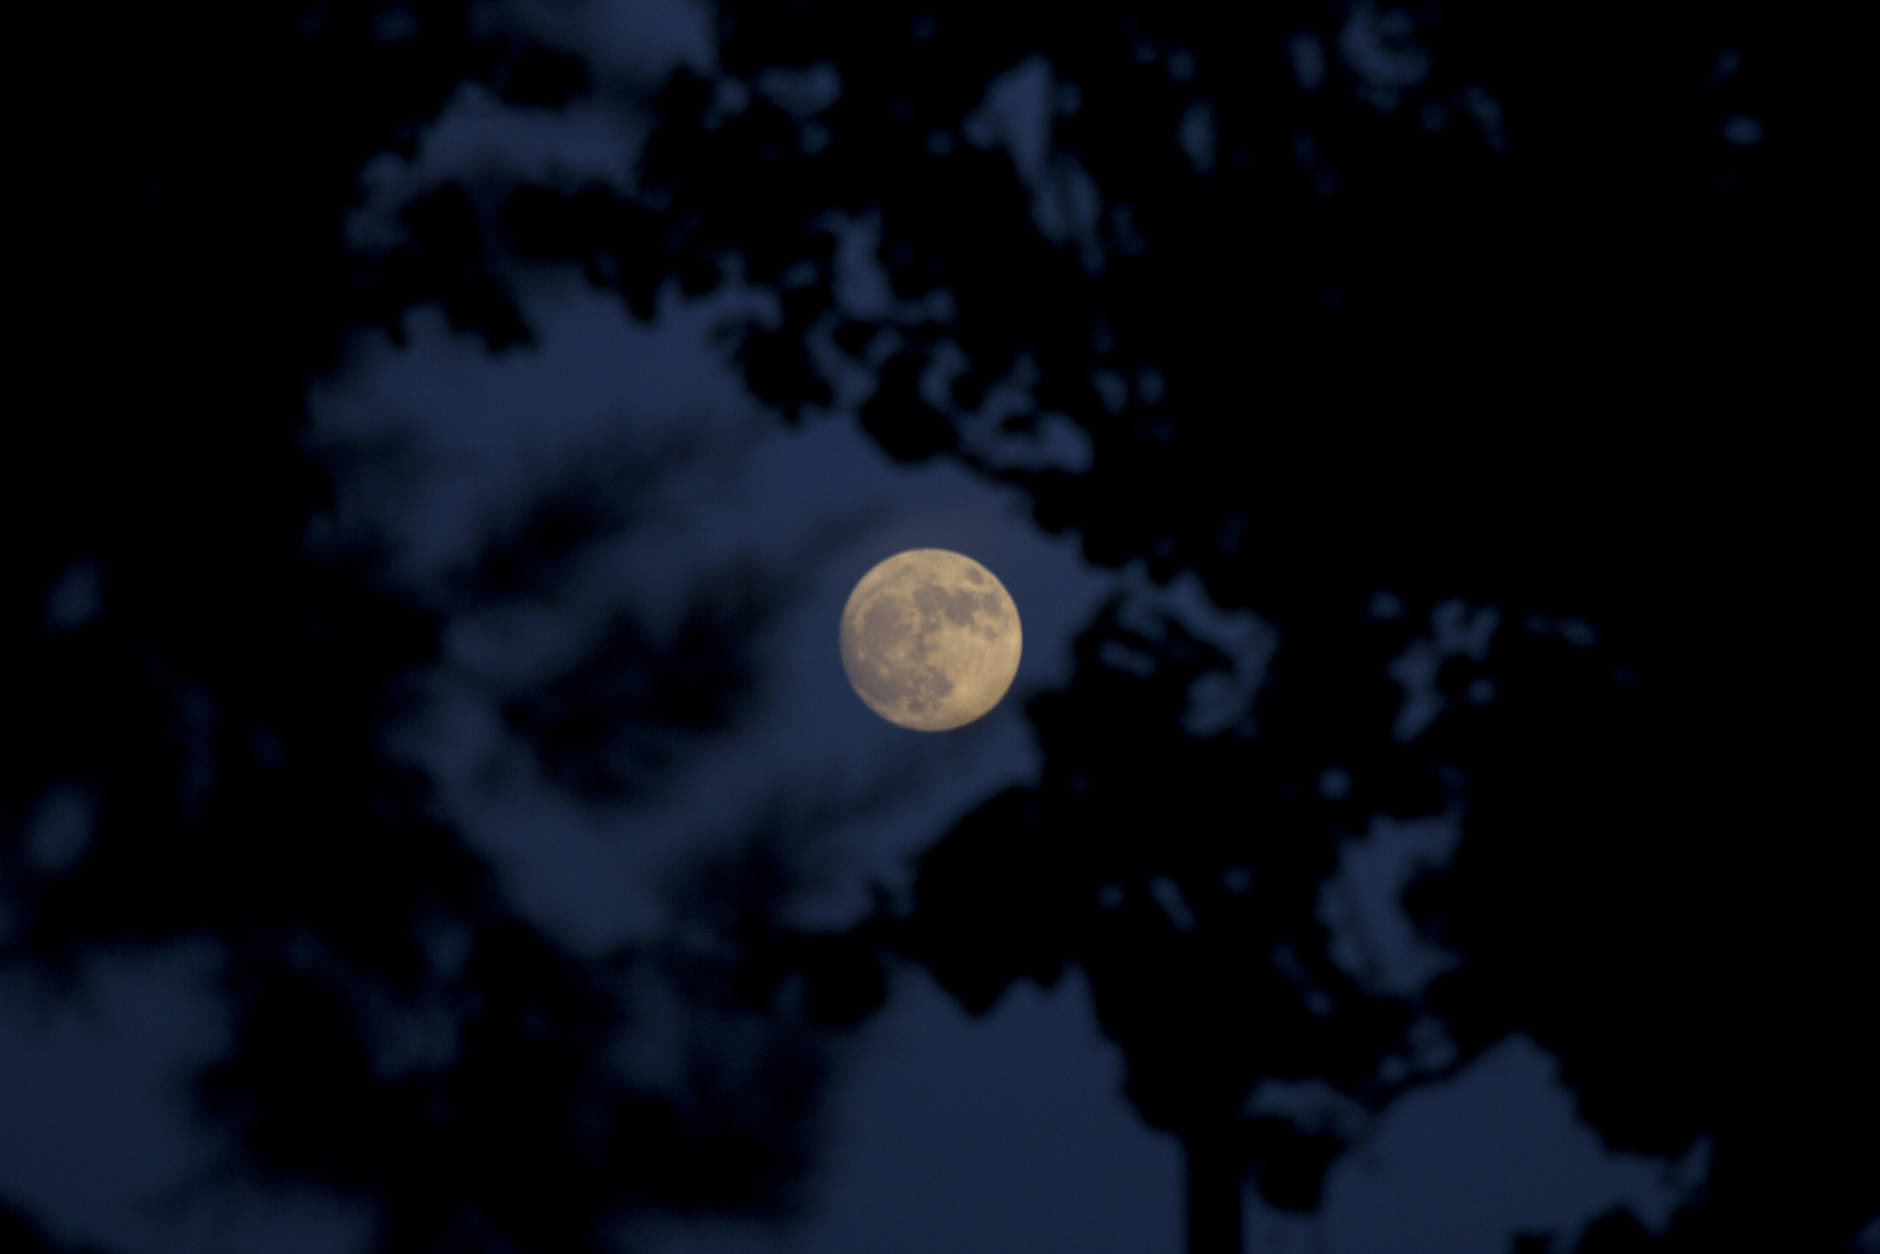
(930,639)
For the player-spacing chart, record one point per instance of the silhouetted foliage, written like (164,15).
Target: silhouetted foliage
(1232,255)
(1238,251)
(218,672)
(401,1031)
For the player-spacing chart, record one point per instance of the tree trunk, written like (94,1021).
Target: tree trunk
(1214,1219)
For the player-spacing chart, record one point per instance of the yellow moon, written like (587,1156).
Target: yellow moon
(930,639)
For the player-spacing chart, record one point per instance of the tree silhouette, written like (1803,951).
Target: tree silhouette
(218,669)
(1330,301)
(403,1031)
(1241,251)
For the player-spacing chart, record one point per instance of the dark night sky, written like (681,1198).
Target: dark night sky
(946,1132)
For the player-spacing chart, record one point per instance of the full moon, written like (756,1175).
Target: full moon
(930,639)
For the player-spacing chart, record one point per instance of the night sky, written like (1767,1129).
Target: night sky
(446,824)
